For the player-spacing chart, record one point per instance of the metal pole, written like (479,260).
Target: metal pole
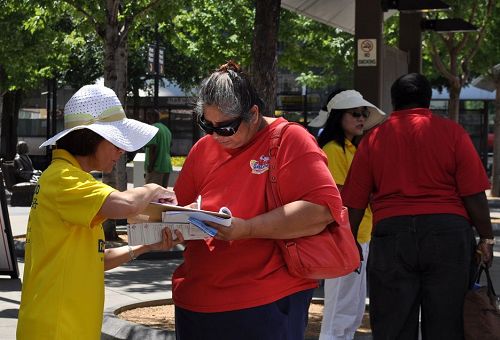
(48,107)
(54,106)
(304,101)
(157,68)
(484,135)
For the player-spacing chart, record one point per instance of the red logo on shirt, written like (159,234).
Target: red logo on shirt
(260,166)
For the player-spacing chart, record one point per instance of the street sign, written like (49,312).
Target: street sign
(367,52)
(161,59)
(151,60)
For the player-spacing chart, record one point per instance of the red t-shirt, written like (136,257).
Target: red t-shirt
(221,276)
(414,163)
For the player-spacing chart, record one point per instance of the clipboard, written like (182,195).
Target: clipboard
(153,212)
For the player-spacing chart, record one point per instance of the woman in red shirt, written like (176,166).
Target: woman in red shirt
(236,284)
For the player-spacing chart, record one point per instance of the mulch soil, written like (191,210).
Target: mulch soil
(162,317)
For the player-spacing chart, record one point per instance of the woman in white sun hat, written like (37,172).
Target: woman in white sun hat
(347,116)
(65,256)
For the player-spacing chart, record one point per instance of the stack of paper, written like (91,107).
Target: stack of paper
(146,228)
(149,233)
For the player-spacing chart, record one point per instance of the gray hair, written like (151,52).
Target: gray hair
(230,90)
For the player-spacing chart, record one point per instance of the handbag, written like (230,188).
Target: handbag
(482,310)
(328,254)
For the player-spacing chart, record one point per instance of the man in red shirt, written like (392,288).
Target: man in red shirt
(425,183)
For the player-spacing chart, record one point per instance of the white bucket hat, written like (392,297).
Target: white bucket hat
(347,100)
(320,120)
(97,108)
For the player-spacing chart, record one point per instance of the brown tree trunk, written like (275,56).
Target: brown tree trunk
(495,187)
(265,52)
(12,101)
(115,77)
(454,103)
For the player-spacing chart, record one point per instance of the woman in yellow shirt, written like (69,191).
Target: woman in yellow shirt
(347,116)
(65,256)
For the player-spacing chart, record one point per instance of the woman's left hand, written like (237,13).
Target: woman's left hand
(167,241)
(239,229)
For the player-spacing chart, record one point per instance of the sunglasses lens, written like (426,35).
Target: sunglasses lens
(225,131)
(202,124)
(365,114)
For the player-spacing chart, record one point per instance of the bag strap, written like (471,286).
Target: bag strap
(272,194)
(491,289)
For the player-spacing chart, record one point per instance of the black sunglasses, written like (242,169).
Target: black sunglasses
(364,113)
(225,130)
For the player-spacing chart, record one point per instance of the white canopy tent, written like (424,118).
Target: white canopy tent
(335,13)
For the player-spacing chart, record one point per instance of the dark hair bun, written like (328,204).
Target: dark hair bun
(231,65)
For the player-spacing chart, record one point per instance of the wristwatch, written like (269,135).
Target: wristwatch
(490,241)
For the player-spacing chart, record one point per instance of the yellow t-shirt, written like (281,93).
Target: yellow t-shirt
(63,283)
(339,163)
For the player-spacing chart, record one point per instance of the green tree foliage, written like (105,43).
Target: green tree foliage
(179,67)
(452,54)
(34,45)
(487,65)
(28,29)
(488,54)
(320,54)
(112,21)
(209,33)
(84,62)
(77,41)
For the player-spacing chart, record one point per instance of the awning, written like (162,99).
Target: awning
(485,82)
(335,13)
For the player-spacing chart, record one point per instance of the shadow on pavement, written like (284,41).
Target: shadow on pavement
(133,274)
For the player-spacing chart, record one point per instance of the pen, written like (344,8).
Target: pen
(198,201)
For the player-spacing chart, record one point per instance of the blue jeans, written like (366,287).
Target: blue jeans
(423,264)
(284,319)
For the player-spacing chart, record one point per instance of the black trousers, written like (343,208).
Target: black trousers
(284,319)
(420,264)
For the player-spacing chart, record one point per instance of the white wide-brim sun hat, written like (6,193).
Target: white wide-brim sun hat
(97,108)
(347,100)
(320,120)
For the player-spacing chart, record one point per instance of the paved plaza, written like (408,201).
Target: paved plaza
(137,282)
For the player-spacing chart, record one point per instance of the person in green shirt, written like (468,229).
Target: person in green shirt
(158,163)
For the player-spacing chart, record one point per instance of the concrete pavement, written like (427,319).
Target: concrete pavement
(135,282)
(138,282)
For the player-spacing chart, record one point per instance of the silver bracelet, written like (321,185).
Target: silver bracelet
(490,241)
(131,253)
